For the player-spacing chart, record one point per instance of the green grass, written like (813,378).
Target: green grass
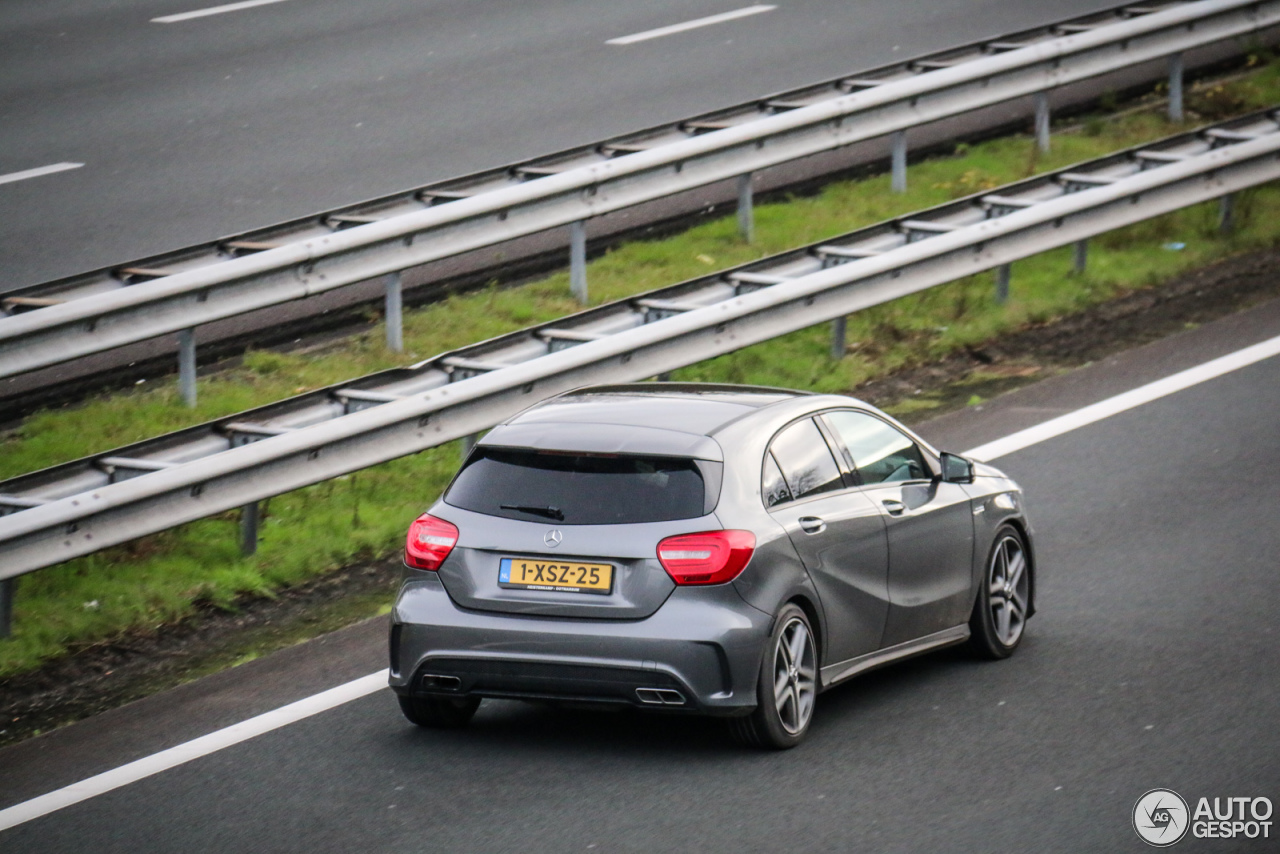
(160,578)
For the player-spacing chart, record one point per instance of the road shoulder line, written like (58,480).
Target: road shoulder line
(1126,401)
(194,749)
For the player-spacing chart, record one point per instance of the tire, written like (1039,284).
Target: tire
(439,712)
(786,687)
(1000,612)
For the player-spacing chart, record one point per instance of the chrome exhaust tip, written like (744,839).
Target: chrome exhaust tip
(660,697)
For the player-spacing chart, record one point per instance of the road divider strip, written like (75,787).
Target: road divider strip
(374,682)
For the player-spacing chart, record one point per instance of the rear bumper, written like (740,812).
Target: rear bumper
(699,652)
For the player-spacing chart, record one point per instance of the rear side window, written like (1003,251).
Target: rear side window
(583,489)
(772,486)
(805,460)
(880,453)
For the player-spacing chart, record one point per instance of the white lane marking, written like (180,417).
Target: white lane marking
(194,749)
(236,733)
(38,171)
(691,25)
(212,10)
(1130,399)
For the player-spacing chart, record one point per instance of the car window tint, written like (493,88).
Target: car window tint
(773,488)
(880,452)
(579,489)
(805,460)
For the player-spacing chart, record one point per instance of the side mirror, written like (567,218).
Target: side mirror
(956,469)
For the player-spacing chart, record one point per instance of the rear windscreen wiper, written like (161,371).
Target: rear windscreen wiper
(549,512)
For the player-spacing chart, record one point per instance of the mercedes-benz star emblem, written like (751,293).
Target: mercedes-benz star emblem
(552,538)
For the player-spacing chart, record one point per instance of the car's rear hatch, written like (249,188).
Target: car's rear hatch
(638,583)
(574,533)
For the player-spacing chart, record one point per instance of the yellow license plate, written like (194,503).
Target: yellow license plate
(567,576)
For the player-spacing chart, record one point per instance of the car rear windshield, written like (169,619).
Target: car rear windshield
(583,489)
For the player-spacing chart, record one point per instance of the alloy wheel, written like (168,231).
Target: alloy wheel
(1007,580)
(794,676)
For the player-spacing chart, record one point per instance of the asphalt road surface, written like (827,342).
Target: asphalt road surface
(198,128)
(1152,663)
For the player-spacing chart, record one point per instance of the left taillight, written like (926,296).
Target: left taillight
(429,542)
(709,557)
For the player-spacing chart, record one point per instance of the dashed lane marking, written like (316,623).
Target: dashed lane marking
(212,10)
(38,172)
(692,25)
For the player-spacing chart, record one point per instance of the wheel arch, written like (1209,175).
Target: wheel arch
(1024,530)
(1020,525)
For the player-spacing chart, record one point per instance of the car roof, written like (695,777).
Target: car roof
(699,408)
(666,419)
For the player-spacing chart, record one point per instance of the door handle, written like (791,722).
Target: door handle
(812,524)
(895,507)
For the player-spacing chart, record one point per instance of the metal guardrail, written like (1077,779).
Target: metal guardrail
(69,511)
(76,317)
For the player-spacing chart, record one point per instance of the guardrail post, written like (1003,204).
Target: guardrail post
(838,329)
(578,260)
(1226,213)
(187,366)
(1175,88)
(1081,259)
(746,216)
(898,162)
(8,588)
(249,529)
(394,313)
(1042,120)
(1003,273)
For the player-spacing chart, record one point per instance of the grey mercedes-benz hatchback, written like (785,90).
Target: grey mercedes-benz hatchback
(724,550)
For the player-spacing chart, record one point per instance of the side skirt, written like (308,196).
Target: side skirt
(835,673)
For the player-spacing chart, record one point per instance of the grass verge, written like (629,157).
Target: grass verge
(159,579)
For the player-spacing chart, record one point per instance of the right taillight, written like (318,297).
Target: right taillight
(429,542)
(709,557)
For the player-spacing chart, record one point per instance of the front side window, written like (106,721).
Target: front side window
(805,460)
(582,489)
(879,452)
